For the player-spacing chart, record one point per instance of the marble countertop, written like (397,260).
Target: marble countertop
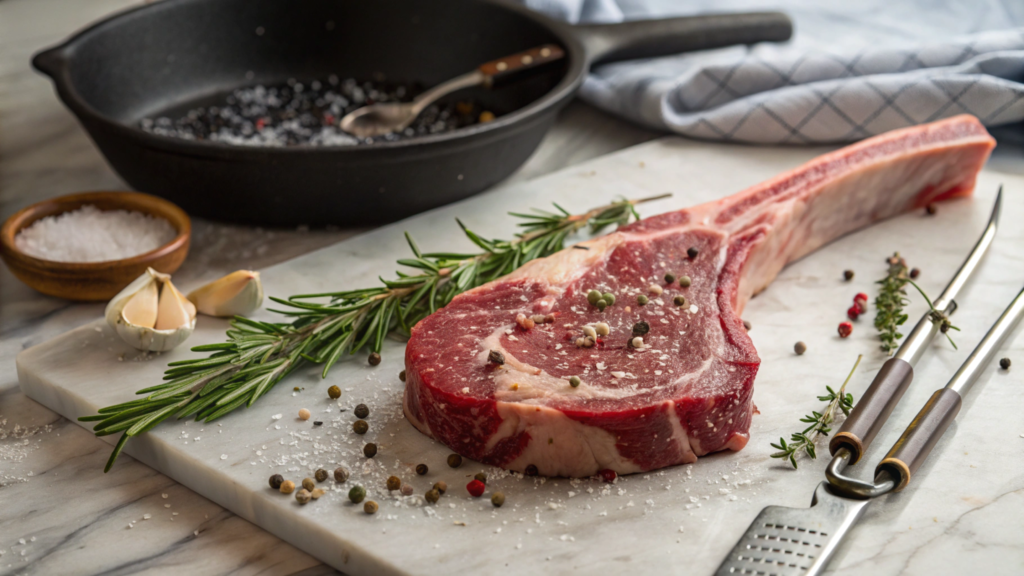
(61,514)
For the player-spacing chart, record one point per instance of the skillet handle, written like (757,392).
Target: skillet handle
(510,65)
(649,38)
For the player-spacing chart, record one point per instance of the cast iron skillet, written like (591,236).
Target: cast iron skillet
(174,54)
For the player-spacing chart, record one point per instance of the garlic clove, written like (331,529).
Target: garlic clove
(141,308)
(236,294)
(174,309)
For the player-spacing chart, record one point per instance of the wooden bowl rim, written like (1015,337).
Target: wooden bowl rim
(121,200)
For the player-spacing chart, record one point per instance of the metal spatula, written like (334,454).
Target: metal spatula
(795,541)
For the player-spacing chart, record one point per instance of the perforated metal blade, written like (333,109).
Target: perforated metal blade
(794,541)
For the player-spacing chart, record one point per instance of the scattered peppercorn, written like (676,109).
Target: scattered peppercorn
(602,329)
(407,489)
(608,475)
(308,484)
(931,209)
(360,427)
(845,329)
(304,414)
(475,488)
(497,499)
(641,328)
(679,300)
(685,281)
(370,507)
(441,487)
(422,469)
(914,273)
(575,381)
(481,477)
(303,496)
(370,450)
(593,296)
(642,300)
(531,470)
(316,493)
(401,375)
(496,357)
(609,298)
(1004,363)
(602,304)
(275,481)
(747,325)
(394,483)
(334,392)
(320,475)
(287,487)
(637,342)
(356,494)
(374,359)
(847,275)
(454,460)
(361,411)
(800,348)
(853,312)
(318,423)
(432,496)
(692,252)
(670,278)
(340,474)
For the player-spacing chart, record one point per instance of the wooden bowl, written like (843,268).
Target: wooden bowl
(92,281)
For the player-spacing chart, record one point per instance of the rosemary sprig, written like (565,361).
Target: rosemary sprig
(892,297)
(257,355)
(820,422)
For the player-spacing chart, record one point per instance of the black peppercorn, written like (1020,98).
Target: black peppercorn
(422,469)
(931,209)
(692,252)
(320,475)
(914,273)
(334,392)
(394,483)
(641,328)
(800,348)
(370,450)
(360,427)
(432,496)
(670,278)
(454,460)
(275,481)
(401,375)
(361,411)
(1004,363)
(374,359)
(340,474)
(496,357)
(441,487)
(847,275)
(531,470)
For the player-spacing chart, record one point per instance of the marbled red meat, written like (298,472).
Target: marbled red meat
(688,391)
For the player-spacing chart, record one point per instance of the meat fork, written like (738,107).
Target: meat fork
(801,541)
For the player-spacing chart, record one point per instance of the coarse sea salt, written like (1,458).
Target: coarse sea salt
(89,234)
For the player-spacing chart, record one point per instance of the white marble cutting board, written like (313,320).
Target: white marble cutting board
(963,512)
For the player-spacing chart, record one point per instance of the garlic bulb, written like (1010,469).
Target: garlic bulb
(236,294)
(151,314)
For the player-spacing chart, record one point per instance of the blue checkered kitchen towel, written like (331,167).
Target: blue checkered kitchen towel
(854,68)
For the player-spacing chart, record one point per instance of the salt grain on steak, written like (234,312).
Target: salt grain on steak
(691,393)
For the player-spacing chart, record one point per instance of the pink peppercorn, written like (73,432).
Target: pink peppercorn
(476,488)
(608,475)
(845,329)
(854,312)
(861,299)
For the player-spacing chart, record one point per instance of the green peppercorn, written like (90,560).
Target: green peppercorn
(308,484)
(334,392)
(498,498)
(481,477)
(360,427)
(670,278)
(370,507)
(303,496)
(340,474)
(401,375)
(275,481)
(320,475)
(602,304)
(642,300)
(685,281)
(432,496)
(361,411)
(454,460)
(441,487)
(575,381)
(422,469)
(679,300)
(609,298)
(593,296)
(356,494)
(374,359)
(394,483)
(370,450)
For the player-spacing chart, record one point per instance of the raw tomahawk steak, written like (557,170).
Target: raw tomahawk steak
(688,390)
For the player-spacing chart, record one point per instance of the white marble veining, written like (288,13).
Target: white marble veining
(961,512)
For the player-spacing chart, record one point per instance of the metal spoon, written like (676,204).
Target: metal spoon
(385,118)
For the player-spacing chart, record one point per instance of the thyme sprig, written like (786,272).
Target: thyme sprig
(257,355)
(892,297)
(820,422)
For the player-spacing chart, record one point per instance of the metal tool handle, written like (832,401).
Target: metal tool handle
(886,390)
(931,422)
